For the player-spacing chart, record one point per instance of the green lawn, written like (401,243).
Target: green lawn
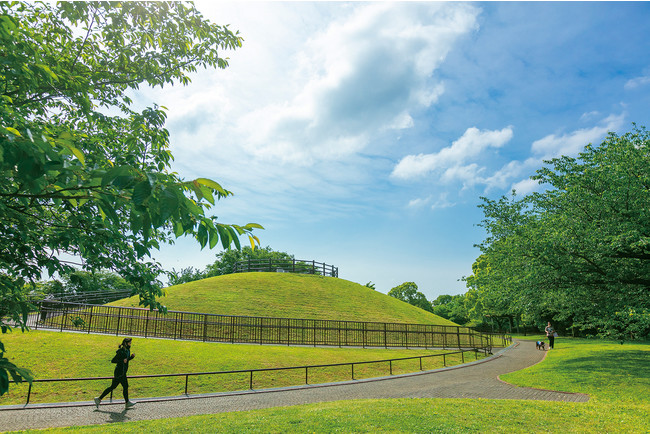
(617,378)
(52,354)
(287,295)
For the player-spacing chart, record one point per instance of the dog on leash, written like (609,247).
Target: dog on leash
(539,345)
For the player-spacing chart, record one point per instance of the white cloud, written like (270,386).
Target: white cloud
(443,202)
(469,175)
(366,73)
(637,82)
(469,145)
(525,186)
(416,203)
(570,144)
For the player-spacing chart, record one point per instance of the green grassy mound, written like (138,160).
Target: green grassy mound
(288,295)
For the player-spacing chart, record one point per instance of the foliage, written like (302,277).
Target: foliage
(8,369)
(225,262)
(408,292)
(82,175)
(577,254)
(188,274)
(451,307)
(370,285)
(79,281)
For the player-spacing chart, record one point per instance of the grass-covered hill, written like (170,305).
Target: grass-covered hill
(290,296)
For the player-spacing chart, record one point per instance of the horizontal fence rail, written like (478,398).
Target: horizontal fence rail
(90,297)
(250,372)
(260,330)
(299,266)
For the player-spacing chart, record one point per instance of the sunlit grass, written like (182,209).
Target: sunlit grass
(286,295)
(615,376)
(77,355)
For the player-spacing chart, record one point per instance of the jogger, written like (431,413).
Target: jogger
(122,357)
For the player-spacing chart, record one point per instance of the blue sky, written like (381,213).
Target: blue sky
(363,134)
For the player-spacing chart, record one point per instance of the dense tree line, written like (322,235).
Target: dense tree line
(577,253)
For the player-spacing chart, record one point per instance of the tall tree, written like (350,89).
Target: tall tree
(81,172)
(451,307)
(408,292)
(578,252)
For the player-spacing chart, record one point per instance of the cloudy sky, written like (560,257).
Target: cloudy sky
(364,134)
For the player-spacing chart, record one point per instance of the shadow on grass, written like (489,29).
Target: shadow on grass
(632,363)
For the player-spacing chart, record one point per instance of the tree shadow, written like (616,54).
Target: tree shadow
(635,364)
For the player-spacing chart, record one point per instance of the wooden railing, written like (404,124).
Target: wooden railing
(299,266)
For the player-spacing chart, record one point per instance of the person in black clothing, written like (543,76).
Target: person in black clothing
(122,357)
(550,334)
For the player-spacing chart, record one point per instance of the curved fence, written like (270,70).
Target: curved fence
(299,266)
(246,376)
(261,330)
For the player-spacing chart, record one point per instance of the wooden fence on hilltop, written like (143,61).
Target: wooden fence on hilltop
(298,266)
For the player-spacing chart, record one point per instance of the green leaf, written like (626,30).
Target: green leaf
(213,185)
(214,237)
(141,192)
(225,236)
(13,131)
(77,153)
(115,173)
(4,381)
(253,226)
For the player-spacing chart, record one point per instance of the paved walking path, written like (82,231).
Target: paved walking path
(472,380)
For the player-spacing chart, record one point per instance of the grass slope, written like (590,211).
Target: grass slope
(290,296)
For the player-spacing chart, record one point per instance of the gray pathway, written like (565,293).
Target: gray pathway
(473,380)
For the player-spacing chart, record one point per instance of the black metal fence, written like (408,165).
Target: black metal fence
(249,373)
(261,330)
(299,266)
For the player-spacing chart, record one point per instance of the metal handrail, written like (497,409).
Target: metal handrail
(486,351)
(246,329)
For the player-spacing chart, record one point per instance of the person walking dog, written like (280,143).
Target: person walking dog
(122,357)
(550,334)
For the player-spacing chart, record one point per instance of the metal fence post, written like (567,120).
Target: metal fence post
(65,316)
(90,321)
(119,317)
